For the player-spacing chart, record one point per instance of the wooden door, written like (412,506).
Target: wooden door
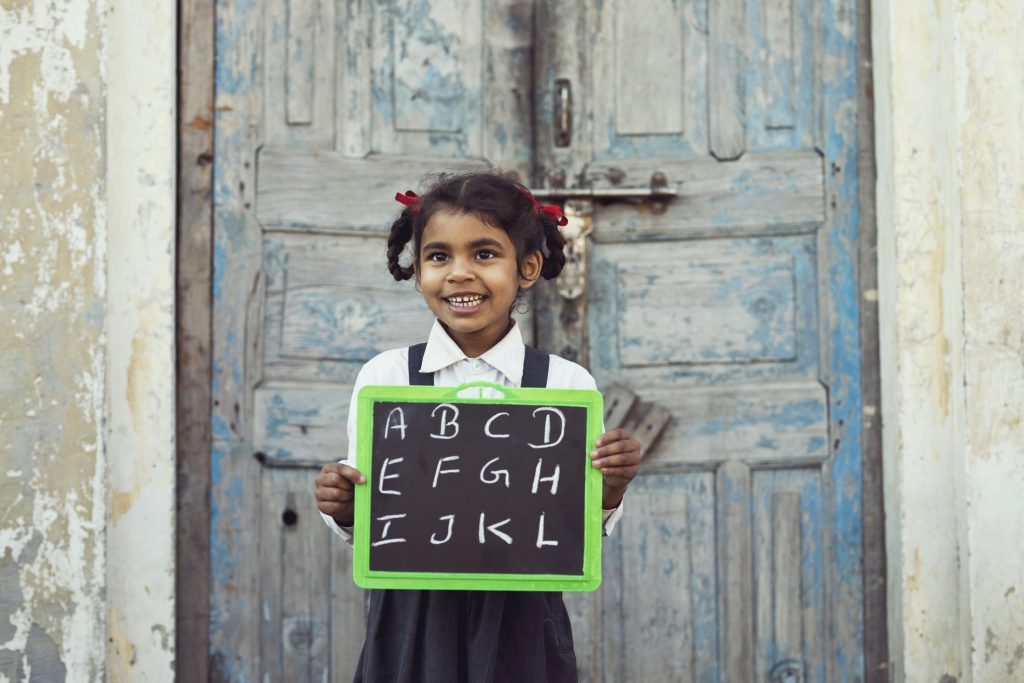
(732,305)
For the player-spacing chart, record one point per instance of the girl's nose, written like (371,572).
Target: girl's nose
(461,270)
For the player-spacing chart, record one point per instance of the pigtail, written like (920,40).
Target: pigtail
(401,234)
(554,259)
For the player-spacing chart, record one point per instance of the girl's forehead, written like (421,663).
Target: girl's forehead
(458,228)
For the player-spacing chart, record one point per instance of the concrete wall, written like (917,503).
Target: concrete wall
(950,107)
(86,339)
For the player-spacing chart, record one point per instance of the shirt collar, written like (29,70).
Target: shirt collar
(506,356)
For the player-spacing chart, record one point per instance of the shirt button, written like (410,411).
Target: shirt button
(477,366)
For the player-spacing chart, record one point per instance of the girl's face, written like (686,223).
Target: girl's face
(469,276)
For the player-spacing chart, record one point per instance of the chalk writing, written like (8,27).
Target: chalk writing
(478,488)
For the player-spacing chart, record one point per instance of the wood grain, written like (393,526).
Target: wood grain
(194,337)
(735,588)
(763,193)
(727,118)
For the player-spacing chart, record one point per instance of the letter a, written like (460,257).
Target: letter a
(401,422)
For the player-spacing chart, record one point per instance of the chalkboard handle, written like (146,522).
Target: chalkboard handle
(454,393)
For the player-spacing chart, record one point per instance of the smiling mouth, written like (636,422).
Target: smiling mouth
(471,301)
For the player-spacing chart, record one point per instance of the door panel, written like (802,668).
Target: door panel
(720,305)
(327,108)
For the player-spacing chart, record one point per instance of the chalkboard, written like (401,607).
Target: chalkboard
(478,493)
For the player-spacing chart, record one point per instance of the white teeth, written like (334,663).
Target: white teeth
(465,300)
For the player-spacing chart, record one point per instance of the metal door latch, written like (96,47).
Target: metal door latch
(573,280)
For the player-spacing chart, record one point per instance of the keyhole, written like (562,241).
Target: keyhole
(289,517)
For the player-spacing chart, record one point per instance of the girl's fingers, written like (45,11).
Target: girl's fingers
(619,460)
(614,435)
(337,474)
(619,471)
(333,493)
(332,509)
(609,449)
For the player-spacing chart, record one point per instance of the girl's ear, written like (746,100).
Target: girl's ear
(530,271)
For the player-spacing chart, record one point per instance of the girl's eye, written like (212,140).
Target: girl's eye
(436,256)
(486,254)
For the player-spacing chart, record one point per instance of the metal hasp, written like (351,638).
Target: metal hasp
(658,189)
(573,280)
(579,209)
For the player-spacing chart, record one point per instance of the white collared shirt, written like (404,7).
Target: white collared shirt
(502,364)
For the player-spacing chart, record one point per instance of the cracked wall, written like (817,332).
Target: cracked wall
(87,135)
(52,355)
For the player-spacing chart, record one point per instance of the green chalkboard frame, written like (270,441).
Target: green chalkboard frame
(589,580)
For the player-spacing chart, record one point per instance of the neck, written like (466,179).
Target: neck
(474,344)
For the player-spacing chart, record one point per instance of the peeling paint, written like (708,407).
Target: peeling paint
(52,236)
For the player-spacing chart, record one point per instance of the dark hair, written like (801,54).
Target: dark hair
(495,200)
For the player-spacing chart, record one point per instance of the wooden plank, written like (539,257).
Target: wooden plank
(300,61)
(235,476)
(647,79)
(271,564)
(618,402)
(728,308)
(193,290)
(786,594)
(427,78)
(353,80)
(726,65)
(564,29)
(348,610)
(347,313)
(778,81)
(647,423)
(298,39)
(508,61)
(306,421)
(305,559)
(585,616)
(772,424)
(649,74)
(429,93)
(658,623)
(329,193)
(735,587)
(876,643)
(762,193)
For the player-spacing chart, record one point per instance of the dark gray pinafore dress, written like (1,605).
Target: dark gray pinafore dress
(415,636)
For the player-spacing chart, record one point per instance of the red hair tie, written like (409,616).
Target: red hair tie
(550,209)
(410,199)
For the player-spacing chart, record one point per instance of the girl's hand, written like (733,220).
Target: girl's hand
(617,455)
(335,491)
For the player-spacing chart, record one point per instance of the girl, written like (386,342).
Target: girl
(479,241)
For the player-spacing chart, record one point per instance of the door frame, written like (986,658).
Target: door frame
(194,303)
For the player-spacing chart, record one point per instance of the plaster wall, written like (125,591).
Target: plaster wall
(989,65)
(140,369)
(950,157)
(87,91)
(52,342)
